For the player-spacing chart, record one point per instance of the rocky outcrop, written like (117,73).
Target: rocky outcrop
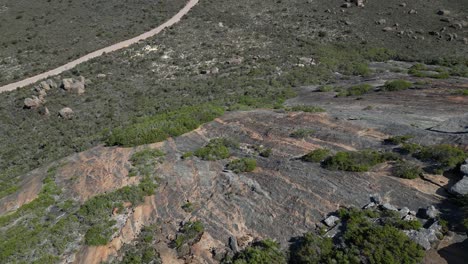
(461,187)
(66,113)
(425,237)
(33,102)
(73,85)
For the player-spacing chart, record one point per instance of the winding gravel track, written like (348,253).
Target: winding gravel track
(176,18)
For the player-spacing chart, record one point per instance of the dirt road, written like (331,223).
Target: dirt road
(176,18)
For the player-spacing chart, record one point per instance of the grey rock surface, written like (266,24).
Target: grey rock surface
(461,187)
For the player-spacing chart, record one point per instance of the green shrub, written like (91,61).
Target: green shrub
(421,70)
(305,108)
(445,157)
(411,148)
(316,155)
(407,170)
(397,85)
(312,249)
(187,155)
(262,252)
(357,161)
(188,207)
(397,140)
(326,88)
(216,149)
(266,152)
(144,162)
(100,233)
(364,241)
(189,232)
(356,90)
(242,165)
(162,126)
(462,92)
(302,133)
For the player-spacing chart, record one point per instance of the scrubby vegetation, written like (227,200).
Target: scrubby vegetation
(55,223)
(142,250)
(159,127)
(357,161)
(189,233)
(462,92)
(364,241)
(445,157)
(305,108)
(261,252)
(302,133)
(263,151)
(144,162)
(355,90)
(242,165)
(397,140)
(35,39)
(397,85)
(420,70)
(216,149)
(407,170)
(317,155)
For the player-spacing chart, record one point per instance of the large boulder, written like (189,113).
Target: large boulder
(331,220)
(66,113)
(33,102)
(464,168)
(73,85)
(461,187)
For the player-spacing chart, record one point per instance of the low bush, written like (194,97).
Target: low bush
(397,140)
(397,85)
(411,148)
(242,165)
(462,92)
(216,149)
(357,161)
(326,88)
(144,162)
(188,207)
(262,252)
(162,126)
(302,133)
(316,155)
(445,157)
(189,232)
(407,170)
(356,90)
(305,108)
(421,70)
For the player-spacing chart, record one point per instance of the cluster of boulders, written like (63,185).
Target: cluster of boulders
(350,3)
(425,237)
(443,34)
(461,187)
(37,102)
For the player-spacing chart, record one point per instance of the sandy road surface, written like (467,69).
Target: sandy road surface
(176,18)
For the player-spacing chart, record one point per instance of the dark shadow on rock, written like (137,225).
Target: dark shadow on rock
(456,253)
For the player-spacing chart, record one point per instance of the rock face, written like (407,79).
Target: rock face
(73,85)
(66,113)
(464,168)
(432,212)
(461,187)
(425,237)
